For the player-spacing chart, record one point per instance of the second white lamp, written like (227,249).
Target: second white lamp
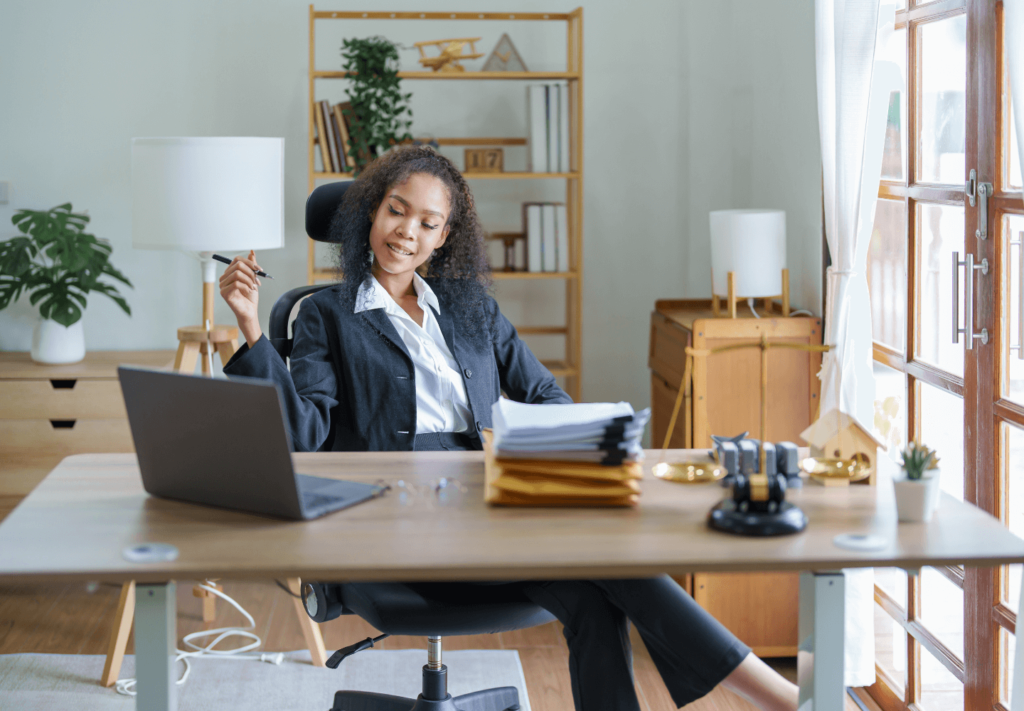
(751,246)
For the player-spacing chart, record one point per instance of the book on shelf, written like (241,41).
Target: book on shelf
(547,237)
(552,126)
(321,138)
(561,238)
(548,127)
(549,259)
(341,126)
(563,128)
(537,121)
(332,136)
(534,241)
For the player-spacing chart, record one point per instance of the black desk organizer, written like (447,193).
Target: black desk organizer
(742,515)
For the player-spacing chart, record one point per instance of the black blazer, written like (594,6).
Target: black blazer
(352,384)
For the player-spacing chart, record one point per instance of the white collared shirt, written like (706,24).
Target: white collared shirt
(442,404)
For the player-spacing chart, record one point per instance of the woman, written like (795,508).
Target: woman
(392,360)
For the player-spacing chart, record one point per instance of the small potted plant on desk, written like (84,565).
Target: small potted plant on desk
(917,485)
(58,264)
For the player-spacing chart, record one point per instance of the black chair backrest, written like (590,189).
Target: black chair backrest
(321,205)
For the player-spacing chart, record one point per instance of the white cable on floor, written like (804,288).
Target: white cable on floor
(126,687)
(750,303)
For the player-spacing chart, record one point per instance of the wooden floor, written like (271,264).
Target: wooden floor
(76,619)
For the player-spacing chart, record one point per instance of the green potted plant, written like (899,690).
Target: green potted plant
(58,264)
(917,485)
(379,116)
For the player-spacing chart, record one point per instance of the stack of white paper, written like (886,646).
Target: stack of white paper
(596,432)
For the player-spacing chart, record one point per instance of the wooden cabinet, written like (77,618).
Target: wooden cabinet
(760,608)
(48,412)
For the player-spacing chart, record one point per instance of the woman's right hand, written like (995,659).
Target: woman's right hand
(239,286)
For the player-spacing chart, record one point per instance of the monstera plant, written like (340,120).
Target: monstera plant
(58,264)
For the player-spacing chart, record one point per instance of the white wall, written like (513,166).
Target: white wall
(689,107)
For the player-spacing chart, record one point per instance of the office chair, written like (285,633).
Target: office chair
(427,609)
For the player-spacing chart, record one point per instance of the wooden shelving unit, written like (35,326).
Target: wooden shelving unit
(569,367)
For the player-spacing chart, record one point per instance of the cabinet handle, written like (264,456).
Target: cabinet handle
(62,424)
(63,384)
(1019,243)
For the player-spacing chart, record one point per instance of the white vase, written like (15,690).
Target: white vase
(53,343)
(917,499)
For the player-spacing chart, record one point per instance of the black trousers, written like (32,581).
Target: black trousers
(692,650)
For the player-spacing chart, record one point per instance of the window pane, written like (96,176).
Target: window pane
(1015,179)
(891,649)
(943,62)
(887,274)
(1013,471)
(942,428)
(940,690)
(1013,231)
(942,609)
(1007,652)
(890,409)
(940,230)
(894,582)
(894,155)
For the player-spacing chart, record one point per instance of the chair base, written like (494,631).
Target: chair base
(505,698)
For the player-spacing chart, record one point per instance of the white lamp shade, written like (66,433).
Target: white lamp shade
(752,244)
(208,194)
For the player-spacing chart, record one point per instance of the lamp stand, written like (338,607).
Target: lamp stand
(206,339)
(732,297)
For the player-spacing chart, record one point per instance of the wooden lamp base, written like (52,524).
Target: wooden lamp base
(732,297)
(196,340)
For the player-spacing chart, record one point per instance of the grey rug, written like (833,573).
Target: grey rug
(43,682)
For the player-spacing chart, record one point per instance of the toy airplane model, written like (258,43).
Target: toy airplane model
(450,53)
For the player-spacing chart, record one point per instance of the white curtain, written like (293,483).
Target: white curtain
(853,99)
(1013,19)
(1013,22)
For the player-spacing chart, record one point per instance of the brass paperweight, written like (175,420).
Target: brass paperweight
(826,469)
(689,472)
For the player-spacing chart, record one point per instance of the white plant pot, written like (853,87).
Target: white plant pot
(53,343)
(916,500)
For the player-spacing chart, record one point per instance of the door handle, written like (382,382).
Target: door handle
(968,329)
(984,191)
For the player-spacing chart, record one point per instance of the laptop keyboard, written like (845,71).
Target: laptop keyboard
(313,501)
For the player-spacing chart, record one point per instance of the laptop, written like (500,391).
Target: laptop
(223,443)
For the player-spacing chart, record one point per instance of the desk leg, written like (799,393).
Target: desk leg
(820,658)
(155,643)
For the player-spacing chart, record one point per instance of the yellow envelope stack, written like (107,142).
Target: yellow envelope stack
(550,482)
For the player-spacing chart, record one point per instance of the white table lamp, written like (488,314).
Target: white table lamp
(748,257)
(206,195)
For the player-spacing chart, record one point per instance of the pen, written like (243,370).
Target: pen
(228,261)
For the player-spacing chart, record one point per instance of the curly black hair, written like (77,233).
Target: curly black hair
(459,272)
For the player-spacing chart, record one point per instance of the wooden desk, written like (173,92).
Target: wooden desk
(76,523)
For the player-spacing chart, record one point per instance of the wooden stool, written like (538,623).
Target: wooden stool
(126,612)
(193,340)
